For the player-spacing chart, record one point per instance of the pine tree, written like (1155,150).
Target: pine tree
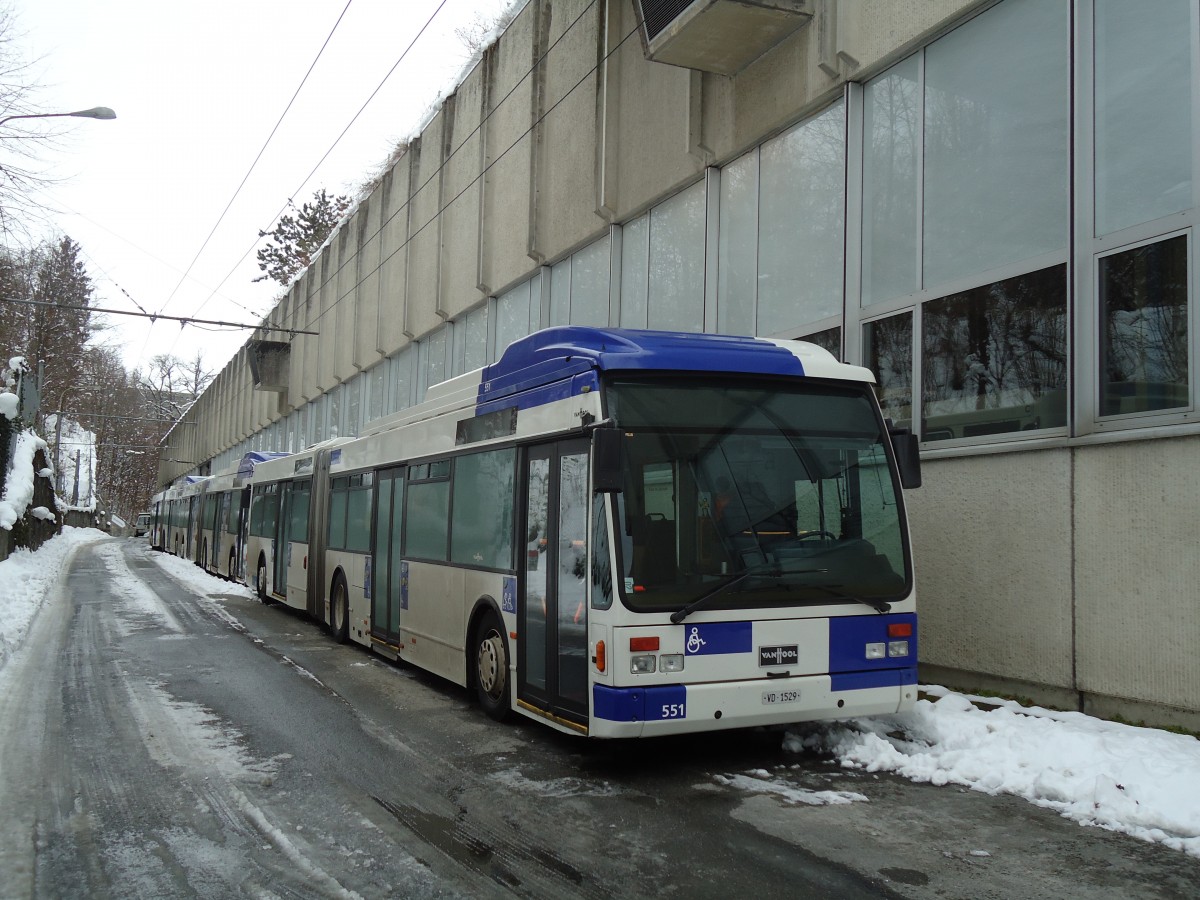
(297,238)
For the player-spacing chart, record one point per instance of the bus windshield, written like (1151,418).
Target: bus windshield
(745,493)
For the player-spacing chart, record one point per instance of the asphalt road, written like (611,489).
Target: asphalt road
(156,744)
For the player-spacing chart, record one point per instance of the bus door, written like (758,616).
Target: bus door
(292,529)
(216,552)
(552,668)
(387,567)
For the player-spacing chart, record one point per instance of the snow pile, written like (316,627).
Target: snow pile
(1139,781)
(9,405)
(26,578)
(18,487)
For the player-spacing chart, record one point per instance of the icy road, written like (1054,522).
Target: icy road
(163,734)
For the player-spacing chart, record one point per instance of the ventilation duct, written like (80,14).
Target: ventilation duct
(722,36)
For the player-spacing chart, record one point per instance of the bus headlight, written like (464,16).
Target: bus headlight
(671,662)
(641,664)
(876,651)
(897,648)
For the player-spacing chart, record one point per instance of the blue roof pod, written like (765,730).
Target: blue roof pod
(252,459)
(555,353)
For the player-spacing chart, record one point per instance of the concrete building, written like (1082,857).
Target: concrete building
(990,204)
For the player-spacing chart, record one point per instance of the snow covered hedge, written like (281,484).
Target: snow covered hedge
(26,483)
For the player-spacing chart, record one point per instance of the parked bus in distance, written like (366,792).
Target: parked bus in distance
(618,533)
(226,501)
(141,527)
(278,564)
(174,524)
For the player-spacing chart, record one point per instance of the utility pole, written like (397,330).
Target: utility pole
(75,488)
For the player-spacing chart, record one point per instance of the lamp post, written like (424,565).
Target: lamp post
(96,112)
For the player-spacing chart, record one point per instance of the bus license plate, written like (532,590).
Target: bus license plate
(774,697)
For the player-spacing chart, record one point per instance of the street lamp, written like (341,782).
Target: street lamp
(96,112)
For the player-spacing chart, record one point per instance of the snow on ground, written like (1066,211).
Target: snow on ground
(26,579)
(1140,781)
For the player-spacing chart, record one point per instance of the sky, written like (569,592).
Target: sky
(1143,782)
(153,196)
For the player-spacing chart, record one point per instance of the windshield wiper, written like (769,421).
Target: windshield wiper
(774,571)
(880,606)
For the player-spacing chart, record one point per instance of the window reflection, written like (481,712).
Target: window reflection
(888,349)
(1143,325)
(994,358)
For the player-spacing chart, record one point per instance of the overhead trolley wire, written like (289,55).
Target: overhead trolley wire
(255,163)
(332,146)
(477,178)
(589,73)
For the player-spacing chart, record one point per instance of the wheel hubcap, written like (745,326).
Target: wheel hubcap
(491,665)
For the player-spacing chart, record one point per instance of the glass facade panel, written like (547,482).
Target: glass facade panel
(888,352)
(635,271)
(512,317)
(676,271)
(560,293)
(830,339)
(1144,328)
(475,349)
(994,358)
(589,284)
(483,509)
(891,183)
(801,234)
(431,361)
(402,380)
(1144,103)
(353,417)
(737,246)
(997,148)
(378,381)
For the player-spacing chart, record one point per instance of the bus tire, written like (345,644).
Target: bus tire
(339,610)
(260,579)
(490,667)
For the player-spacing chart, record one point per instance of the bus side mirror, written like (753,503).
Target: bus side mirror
(908,456)
(607,475)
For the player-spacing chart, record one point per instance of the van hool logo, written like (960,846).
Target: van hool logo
(787,655)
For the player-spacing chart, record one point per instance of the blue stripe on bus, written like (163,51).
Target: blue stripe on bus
(857,681)
(639,704)
(548,358)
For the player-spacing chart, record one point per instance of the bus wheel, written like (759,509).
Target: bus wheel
(491,668)
(261,580)
(339,610)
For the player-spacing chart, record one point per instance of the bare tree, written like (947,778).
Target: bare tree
(24,143)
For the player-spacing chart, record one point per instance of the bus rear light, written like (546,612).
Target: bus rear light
(599,659)
(897,648)
(643,644)
(900,629)
(642,664)
(876,650)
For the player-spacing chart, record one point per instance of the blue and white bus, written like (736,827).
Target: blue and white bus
(619,533)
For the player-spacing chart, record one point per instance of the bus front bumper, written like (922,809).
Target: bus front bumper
(681,709)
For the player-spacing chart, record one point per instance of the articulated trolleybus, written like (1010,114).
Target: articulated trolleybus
(620,533)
